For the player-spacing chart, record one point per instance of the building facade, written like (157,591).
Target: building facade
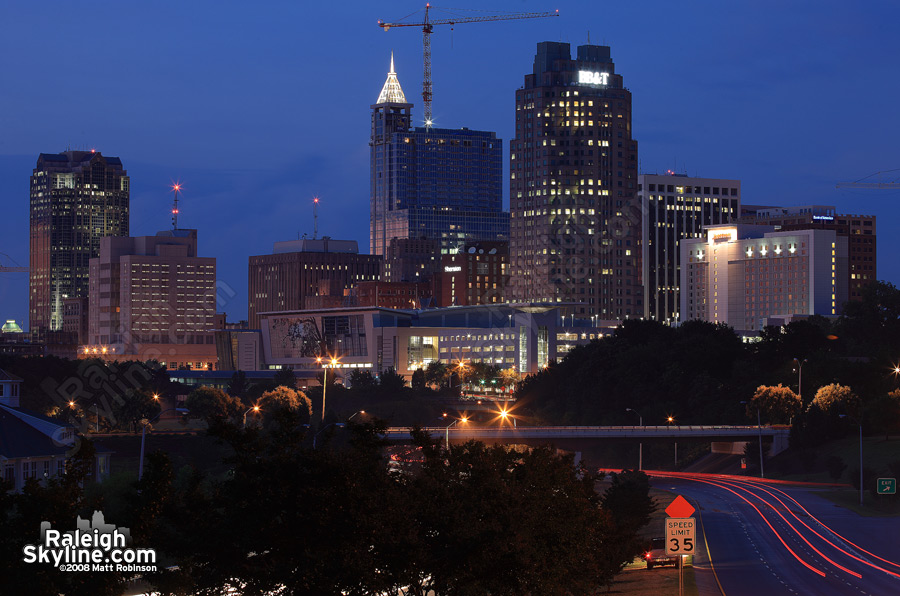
(77,198)
(477,274)
(575,221)
(436,183)
(296,270)
(676,207)
(742,275)
(392,294)
(153,298)
(411,260)
(522,336)
(860,231)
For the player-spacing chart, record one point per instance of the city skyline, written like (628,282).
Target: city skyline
(227,113)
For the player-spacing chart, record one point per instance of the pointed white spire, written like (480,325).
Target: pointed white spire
(391,92)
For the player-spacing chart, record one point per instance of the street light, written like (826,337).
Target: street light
(759,430)
(253,409)
(321,430)
(860,456)
(356,414)
(798,368)
(334,363)
(447,430)
(669,421)
(641,444)
(144,434)
(505,415)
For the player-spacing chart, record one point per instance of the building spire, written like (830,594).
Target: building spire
(391,92)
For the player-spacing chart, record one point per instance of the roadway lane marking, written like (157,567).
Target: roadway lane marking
(706,544)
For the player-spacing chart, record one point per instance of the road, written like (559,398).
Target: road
(775,539)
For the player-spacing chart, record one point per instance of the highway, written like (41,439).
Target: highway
(775,539)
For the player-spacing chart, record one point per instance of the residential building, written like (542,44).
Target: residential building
(33,446)
(858,229)
(77,198)
(742,275)
(676,207)
(438,183)
(294,272)
(575,220)
(477,274)
(153,298)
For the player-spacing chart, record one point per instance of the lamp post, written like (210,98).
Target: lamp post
(762,471)
(356,414)
(798,368)
(669,421)
(144,435)
(321,430)
(641,443)
(334,363)
(253,409)
(860,456)
(447,430)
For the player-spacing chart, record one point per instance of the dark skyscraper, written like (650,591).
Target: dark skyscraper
(77,198)
(575,221)
(435,183)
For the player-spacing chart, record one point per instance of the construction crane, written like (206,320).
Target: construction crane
(428,27)
(15,269)
(893,182)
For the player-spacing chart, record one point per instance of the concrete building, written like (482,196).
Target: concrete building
(744,275)
(523,336)
(295,270)
(676,207)
(153,298)
(575,220)
(477,274)
(438,183)
(858,229)
(77,198)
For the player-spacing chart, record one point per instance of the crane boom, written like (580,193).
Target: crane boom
(880,185)
(428,27)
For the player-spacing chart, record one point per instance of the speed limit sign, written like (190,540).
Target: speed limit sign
(680,535)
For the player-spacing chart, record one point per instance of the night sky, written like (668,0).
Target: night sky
(258,107)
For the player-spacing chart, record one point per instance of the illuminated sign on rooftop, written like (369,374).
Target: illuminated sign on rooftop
(587,77)
(452,269)
(825,217)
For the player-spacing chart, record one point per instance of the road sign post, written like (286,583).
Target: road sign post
(887,486)
(680,534)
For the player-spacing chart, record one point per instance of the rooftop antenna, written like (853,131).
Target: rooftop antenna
(175,187)
(315,218)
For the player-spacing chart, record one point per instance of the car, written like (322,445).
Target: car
(657,554)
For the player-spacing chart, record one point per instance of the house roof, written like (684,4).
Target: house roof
(5,376)
(19,439)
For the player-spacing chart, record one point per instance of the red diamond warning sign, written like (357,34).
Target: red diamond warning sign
(680,508)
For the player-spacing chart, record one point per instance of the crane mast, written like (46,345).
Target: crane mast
(428,25)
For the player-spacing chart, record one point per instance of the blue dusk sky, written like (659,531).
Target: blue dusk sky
(258,107)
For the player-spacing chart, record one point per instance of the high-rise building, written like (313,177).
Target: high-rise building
(674,208)
(858,229)
(743,275)
(575,221)
(299,270)
(77,198)
(153,298)
(438,183)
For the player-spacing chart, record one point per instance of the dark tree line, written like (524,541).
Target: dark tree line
(341,520)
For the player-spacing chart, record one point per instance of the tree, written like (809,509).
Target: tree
(361,379)
(284,377)
(285,398)
(210,403)
(436,373)
(778,404)
(418,382)
(836,399)
(238,386)
(882,414)
(133,408)
(509,377)
(390,382)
